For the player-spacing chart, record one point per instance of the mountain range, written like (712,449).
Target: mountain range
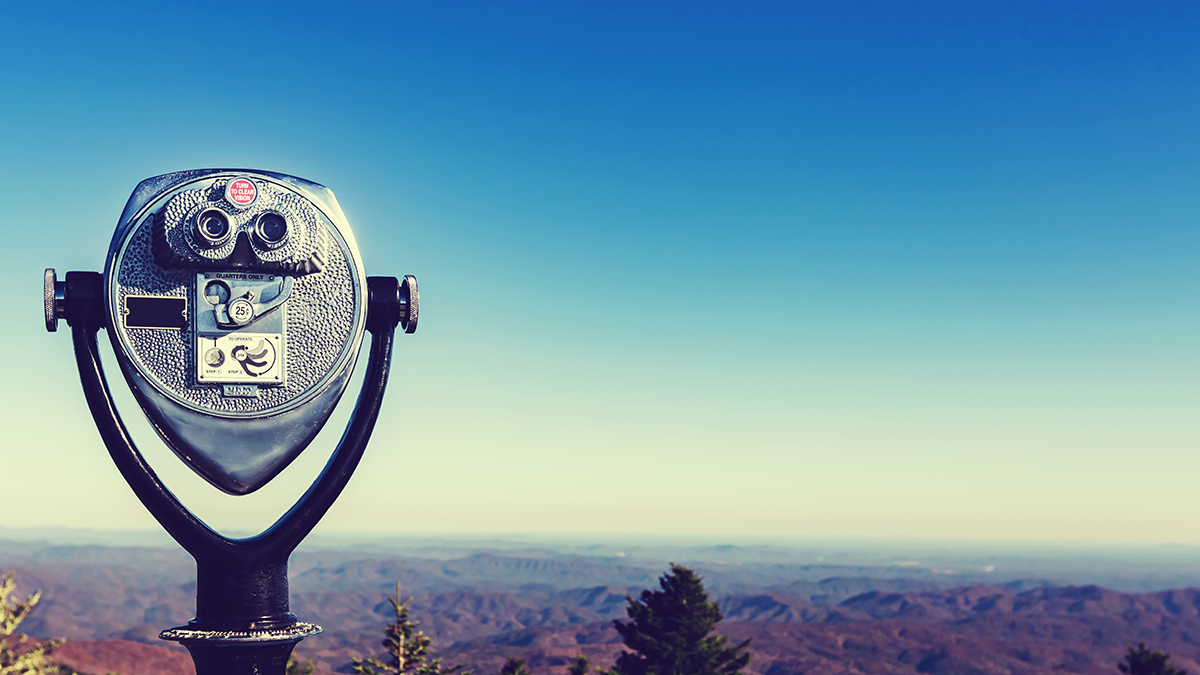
(110,602)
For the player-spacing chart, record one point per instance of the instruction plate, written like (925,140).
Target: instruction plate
(240,357)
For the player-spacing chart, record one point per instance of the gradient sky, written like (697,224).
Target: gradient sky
(723,270)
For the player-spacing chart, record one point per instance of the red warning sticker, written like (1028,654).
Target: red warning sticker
(241,191)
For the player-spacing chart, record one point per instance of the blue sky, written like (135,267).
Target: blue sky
(782,270)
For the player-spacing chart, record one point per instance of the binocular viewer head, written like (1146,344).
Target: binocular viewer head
(236,302)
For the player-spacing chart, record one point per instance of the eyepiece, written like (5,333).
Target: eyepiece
(270,230)
(212,228)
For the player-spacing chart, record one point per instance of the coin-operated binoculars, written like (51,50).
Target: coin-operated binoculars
(236,303)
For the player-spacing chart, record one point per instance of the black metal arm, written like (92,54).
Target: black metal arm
(241,583)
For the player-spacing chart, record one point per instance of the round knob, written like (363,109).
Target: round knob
(410,303)
(55,292)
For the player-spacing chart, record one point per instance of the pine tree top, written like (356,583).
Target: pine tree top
(670,631)
(1142,661)
(407,648)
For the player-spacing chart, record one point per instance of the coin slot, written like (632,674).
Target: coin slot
(216,292)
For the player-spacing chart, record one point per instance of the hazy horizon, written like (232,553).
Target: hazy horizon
(347,539)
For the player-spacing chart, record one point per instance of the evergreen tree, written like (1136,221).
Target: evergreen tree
(407,647)
(514,666)
(17,655)
(1142,661)
(579,667)
(670,630)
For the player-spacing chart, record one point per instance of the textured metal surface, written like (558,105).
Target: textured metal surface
(308,243)
(323,315)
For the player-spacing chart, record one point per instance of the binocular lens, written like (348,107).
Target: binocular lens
(271,229)
(212,228)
